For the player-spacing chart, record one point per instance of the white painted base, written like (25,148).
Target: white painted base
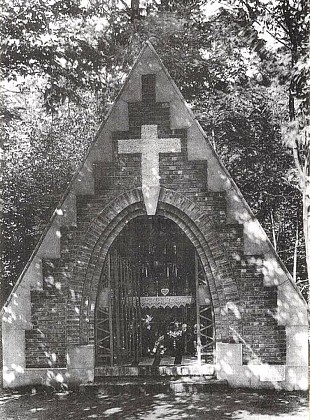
(296,378)
(81,364)
(33,376)
(80,369)
(258,376)
(46,376)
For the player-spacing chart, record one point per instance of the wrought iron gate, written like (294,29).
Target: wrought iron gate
(131,280)
(118,317)
(205,316)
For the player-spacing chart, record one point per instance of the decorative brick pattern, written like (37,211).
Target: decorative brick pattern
(64,312)
(153,113)
(124,215)
(120,175)
(148,88)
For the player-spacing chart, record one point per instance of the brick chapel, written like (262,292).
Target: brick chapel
(154,263)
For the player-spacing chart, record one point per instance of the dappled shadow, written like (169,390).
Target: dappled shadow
(263,315)
(231,404)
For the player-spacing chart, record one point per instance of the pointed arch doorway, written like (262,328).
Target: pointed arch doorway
(153,305)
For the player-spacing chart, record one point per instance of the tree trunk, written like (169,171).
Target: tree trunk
(135,9)
(306,222)
(303,170)
(295,255)
(273,231)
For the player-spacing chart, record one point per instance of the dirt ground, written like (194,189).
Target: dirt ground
(219,405)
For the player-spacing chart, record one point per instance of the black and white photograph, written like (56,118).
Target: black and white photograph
(155,209)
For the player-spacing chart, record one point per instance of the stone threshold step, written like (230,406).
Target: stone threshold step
(144,370)
(155,386)
(151,379)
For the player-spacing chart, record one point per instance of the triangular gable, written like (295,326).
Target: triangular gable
(199,148)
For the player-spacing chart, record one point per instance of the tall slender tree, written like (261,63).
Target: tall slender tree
(71,57)
(287,23)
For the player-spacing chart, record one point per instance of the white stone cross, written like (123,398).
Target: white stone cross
(150,146)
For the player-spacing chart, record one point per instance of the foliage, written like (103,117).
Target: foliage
(287,22)
(61,41)
(66,61)
(247,136)
(41,154)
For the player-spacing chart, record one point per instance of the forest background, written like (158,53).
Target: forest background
(242,66)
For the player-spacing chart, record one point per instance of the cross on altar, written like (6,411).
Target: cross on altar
(150,146)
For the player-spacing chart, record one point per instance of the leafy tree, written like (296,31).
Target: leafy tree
(287,22)
(247,136)
(57,40)
(72,59)
(41,154)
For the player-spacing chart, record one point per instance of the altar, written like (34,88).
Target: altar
(153,303)
(165,301)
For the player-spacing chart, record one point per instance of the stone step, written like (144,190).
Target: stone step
(145,385)
(149,370)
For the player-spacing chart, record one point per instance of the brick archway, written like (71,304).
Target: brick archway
(198,227)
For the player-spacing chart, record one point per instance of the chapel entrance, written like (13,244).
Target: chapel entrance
(154,305)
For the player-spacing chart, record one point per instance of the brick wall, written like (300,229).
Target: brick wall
(46,342)
(244,308)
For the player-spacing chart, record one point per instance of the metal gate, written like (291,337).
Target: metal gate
(205,316)
(118,317)
(127,285)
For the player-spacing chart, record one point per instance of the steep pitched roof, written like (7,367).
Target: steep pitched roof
(199,148)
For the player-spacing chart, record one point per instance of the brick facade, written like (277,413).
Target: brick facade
(255,305)
(235,281)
